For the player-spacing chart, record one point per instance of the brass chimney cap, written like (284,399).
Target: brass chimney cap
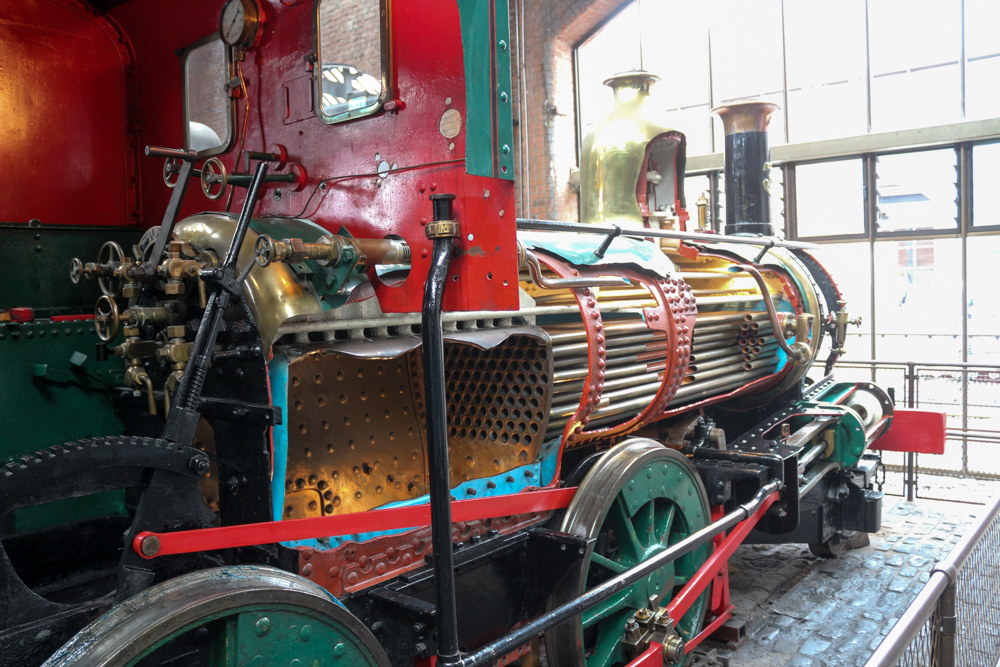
(746,115)
(635,76)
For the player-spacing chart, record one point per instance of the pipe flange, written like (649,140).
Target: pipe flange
(443,229)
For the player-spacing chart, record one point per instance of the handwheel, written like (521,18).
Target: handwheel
(171,171)
(213,178)
(75,270)
(111,257)
(637,500)
(106,318)
(247,615)
(263,249)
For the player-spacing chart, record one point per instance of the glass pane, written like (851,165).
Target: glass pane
(982,50)
(918,300)
(816,185)
(850,266)
(205,76)
(613,49)
(685,80)
(694,188)
(983,254)
(747,55)
(350,53)
(826,69)
(914,64)
(694,122)
(985,177)
(917,191)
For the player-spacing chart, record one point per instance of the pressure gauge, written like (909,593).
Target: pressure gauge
(239,22)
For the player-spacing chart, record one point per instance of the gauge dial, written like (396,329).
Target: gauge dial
(239,22)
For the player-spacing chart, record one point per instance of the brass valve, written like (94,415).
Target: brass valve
(841,319)
(137,378)
(332,250)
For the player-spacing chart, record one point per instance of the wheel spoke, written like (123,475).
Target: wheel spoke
(608,649)
(667,525)
(607,563)
(628,541)
(607,608)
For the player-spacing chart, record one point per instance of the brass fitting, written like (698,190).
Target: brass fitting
(802,352)
(137,378)
(332,250)
(443,229)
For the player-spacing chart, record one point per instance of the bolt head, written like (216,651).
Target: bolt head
(262,626)
(150,546)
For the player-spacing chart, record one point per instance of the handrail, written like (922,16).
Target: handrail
(937,595)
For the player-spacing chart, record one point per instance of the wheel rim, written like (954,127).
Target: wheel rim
(252,616)
(637,501)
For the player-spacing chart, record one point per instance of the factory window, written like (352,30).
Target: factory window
(829,198)
(207,109)
(985,193)
(826,95)
(351,43)
(918,301)
(984,301)
(912,54)
(837,69)
(917,191)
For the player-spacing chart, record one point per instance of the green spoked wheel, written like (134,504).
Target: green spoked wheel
(226,617)
(639,499)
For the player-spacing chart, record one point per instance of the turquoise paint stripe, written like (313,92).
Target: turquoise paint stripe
(539,473)
(489,123)
(278,370)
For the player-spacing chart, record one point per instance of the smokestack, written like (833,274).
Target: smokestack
(748,201)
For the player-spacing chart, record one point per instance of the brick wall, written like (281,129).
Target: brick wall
(350,34)
(548,124)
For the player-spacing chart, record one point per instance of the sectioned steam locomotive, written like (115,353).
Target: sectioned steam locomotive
(312,394)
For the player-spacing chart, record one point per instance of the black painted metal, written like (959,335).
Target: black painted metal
(437,440)
(748,205)
(492,652)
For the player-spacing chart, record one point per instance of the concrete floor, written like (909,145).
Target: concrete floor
(804,611)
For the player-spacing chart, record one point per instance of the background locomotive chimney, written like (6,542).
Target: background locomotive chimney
(748,200)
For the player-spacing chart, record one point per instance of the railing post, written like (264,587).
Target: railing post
(910,482)
(944,645)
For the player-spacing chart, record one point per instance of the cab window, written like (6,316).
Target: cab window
(207,107)
(351,43)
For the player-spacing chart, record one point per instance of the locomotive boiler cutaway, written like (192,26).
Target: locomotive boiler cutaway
(358,412)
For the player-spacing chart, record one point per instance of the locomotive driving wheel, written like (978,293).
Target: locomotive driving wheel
(637,500)
(246,615)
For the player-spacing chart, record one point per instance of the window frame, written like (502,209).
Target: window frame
(185,53)
(385,35)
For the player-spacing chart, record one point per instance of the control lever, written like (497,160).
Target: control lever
(182,422)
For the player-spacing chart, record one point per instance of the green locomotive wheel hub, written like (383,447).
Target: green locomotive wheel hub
(247,616)
(637,501)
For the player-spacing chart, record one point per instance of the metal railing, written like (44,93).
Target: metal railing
(968,393)
(955,619)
